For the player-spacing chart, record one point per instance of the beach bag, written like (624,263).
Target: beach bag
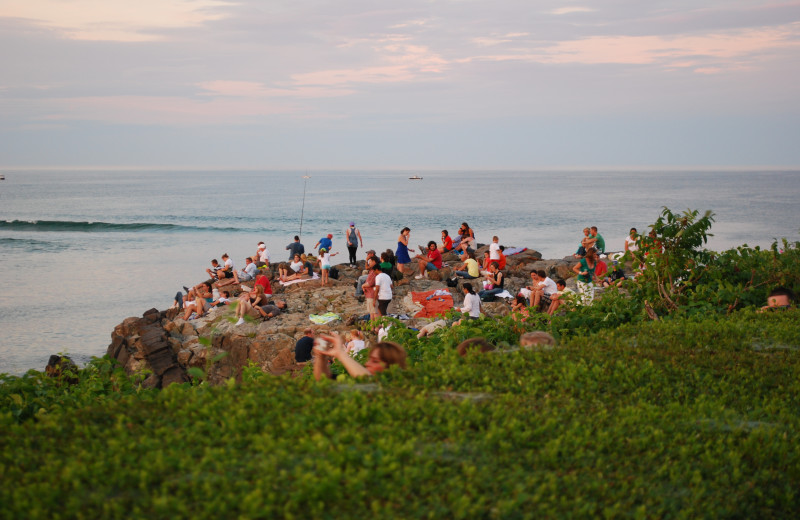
(452,282)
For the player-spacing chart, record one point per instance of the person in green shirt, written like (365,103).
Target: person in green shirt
(600,243)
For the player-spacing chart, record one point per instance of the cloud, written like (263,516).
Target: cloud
(724,50)
(114,20)
(570,10)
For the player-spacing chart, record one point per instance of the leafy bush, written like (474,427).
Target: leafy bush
(682,417)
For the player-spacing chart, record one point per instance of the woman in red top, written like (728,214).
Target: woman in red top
(447,242)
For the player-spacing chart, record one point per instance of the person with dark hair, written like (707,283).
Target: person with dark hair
(585,271)
(779,298)
(403,258)
(494,282)
(472,304)
(631,239)
(615,277)
(295,248)
(467,237)
(474,345)
(383,291)
(542,289)
(560,297)
(599,241)
(447,242)
(368,288)
(353,237)
(381,356)
(430,262)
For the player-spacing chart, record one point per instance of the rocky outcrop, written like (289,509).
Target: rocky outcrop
(167,347)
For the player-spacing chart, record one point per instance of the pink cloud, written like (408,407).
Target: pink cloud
(727,49)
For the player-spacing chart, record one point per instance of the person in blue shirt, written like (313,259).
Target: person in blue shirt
(325,242)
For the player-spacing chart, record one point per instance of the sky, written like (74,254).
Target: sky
(416,84)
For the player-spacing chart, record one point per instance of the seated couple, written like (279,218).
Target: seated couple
(299,268)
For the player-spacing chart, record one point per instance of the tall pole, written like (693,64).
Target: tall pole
(302,209)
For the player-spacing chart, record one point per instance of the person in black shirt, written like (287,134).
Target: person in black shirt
(302,349)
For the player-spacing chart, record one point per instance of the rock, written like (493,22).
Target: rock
(165,344)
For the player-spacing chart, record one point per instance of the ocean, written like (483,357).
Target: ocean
(82,250)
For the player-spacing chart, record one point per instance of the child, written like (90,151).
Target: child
(325,264)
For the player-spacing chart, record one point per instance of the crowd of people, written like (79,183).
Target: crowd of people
(376,283)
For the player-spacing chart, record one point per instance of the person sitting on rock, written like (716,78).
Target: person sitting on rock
(248,273)
(197,300)
(381,356)
(472,304)
(213,271)
(586,242)
(262,256)
(292,271)
(519,309)
(562,296)
(615,277)
(247,301)
(356,343)
(470,268)
(431,262)
(494,282)
(467,237)
(599,241)
(263,281)
(226,275)
(542,289)
(302,349)
(447,243)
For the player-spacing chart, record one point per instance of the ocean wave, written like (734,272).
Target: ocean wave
(94,227)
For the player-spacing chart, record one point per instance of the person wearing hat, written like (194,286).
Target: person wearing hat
(353,237)
(262,256)
(325,242)
(325,264)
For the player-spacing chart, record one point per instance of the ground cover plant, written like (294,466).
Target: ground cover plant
(681,418)
(685,410)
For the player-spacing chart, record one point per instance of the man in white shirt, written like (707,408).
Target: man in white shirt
(542,289)
(248,273)
(262,255)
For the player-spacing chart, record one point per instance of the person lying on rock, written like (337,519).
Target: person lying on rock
(270,310)
(381,356)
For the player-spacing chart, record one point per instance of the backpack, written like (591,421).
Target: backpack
(334,273)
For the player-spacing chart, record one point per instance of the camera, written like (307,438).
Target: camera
(322,345)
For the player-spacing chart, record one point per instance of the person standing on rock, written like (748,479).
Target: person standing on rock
(325,243)
(353,238)
(368,288)
(383,286)
(403,258)
(295,248)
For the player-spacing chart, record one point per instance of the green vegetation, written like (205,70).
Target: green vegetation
(694,414)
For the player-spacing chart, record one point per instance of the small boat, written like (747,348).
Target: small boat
(2,177)
(415,178)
